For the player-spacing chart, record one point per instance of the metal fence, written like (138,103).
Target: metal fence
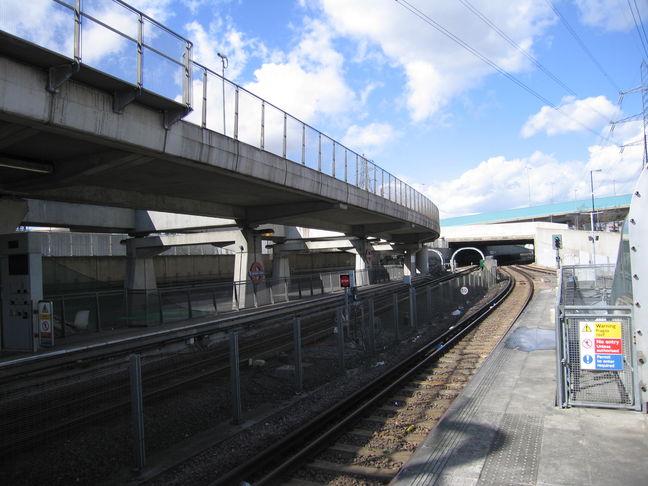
(131,46)
(226,377)
(89,312)
(596,358)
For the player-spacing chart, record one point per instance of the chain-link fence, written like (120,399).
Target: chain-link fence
(126,410)
(596,360)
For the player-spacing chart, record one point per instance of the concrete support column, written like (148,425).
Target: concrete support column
(280,266)
(422,261)
(140,270)
(409,266)
(247,293)
(364,261)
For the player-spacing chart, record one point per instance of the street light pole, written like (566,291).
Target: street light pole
(592,216)
(529,181)
(225,63)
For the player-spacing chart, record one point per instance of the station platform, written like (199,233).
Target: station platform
(504,428)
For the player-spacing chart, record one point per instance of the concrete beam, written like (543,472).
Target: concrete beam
(91,218)
(12,211)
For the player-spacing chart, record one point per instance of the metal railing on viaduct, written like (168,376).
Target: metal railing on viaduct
(127,44)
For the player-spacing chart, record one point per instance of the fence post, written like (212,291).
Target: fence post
(372,325)
(396,327)
(189,310)
(428,292)
(235,378)
(340,338)
(63,316)
(137,410)
(98,313)
(161,305)
(412,304)
(299,370)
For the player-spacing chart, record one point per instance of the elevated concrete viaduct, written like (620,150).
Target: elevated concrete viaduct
(70,146)
(72,134)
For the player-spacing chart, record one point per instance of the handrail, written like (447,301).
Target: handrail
(293,139)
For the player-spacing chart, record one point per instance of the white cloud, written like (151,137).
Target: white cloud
(370,139)
(309,80)
(573,115)
(611,15)
(498,183)
(437,69)
(224,38)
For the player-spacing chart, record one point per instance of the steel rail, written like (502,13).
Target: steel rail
(313,436)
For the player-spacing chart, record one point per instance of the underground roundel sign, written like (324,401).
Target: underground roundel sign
(257,272)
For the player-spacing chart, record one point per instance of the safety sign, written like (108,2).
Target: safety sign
(601,346)
(45,331)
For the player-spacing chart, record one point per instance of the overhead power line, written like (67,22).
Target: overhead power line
(504,36)
(643,38)
(508,39)
(428,20)
(582,45)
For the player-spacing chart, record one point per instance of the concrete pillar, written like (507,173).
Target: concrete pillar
(248,290)
(12,212)
(140,271)
(422,261)
(409,267)
(364,261)
(280,266)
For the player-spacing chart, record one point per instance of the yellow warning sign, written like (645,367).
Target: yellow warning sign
(586,328)
(609,330)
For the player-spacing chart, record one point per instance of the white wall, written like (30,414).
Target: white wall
(577,248)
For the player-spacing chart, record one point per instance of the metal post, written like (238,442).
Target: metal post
(189,304)
(396,326)
(204,99)
(592,216)
(77,31)
(161,307)
(346,169)
(98,312)
(224,64)
(137,411)
(126,307)
(347,308)
(299,370)
(340,337)
(319,152)
(412,304)
(303,160)
(63,316)
(428,293)
(285,134)
(236,113)
(333,162)
(372,325)
(235,378)
(262,147)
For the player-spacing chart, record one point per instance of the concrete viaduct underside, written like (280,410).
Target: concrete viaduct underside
(71,146)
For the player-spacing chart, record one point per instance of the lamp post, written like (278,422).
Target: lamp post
(529,181)
(225,63)
(592,216)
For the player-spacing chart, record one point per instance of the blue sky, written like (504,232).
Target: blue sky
(375,76)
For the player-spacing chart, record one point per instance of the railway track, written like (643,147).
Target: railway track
(75,399)
(369,437)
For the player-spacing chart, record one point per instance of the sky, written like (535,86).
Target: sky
(512,107)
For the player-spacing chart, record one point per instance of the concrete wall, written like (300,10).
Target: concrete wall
(76,274)
(577,248)
(305,263)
